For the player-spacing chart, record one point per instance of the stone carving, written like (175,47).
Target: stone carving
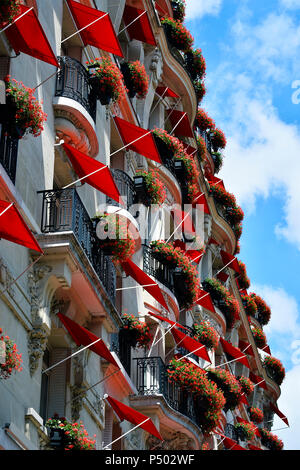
(133,441)
(156,66)
(78,394)
(6,279)
(72,135)
(177,441)
(207,227)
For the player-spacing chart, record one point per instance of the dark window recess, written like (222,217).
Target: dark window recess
(9,153)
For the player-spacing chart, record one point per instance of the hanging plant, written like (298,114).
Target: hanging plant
(137,333)
(106,80)
(237,248)
(263,310)
(218,161)
(185,274)
(229,385)
(153,186)
(269,440)
(259,337)
(28,116)
(195,64)
(73,435)
(178,7)
(8,10)
(167,145)
(203,121)
(274,369)
(223,299)
(249,305)
(237,230)
(135,78)
(245,431)
(200,89)
(234,215)
(246,384)
(256,415)
(244,281)
(178,36)
(11,360)
(221,196)
(209,400)
(218,139)
(190,166)
(118,242)
(206,334)
(192,192)
(201,147)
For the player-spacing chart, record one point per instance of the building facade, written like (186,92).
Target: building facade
(78,277)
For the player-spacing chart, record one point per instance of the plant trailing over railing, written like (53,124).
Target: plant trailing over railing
(169,146)
(229,385)
(201,147)
(11,359)
(232,212)
(115,239)
(237,248)
(106,80)
(218,139)
(29,116)
(8,10)
(200,89)
(137,333)
(153,185)
(178,36)
(223,299)
(195,64)
(218,161)
(274,369)
(256,415)
(245,431)
(203,121)
(263,310)
(208,398)
(192,175)
(243,279)
(246,384)
(269,440)
(185,273)
(206,334)
(259,337)
(178,7)
(73,436)
(135,78)
(249,305)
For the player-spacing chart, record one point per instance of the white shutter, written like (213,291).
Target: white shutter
(57,385)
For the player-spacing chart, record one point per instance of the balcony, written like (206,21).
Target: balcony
(126,188)
(63,211)
(9,154)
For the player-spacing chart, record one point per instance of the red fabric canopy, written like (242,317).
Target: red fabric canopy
(143,279)
(185,341)
(159,317)
(258,380)
(194,255)
(201,203)
(241,420)
(228,258)
(184,127)
(189,149)
(266,349)
(243,345)
(204,300)
(183,221)
(84,337)
(166,92)
(133,416)
(222,276)
(234,352)
(14,229)
(244,399)
(85,165)
(101,34)
(161,9)
(230,444)
(252,447)
(279,413)
(141,28)
(27,35)
(138,139)
(218,181)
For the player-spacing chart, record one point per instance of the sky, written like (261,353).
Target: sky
(252,53)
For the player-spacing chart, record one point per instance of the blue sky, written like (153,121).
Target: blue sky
(252,52)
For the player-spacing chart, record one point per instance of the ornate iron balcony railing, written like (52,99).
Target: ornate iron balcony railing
(9,154)
(157,269)
(63,211)
(125,186)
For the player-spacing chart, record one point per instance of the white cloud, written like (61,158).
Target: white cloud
(199,8)
(291,4)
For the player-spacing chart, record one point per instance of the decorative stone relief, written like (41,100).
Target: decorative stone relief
(207,227)
(177,441)
(156,66)
(6,279)
(133,441)
(78,394)
(67,131)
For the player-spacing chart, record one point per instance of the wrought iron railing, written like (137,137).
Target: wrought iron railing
(9,153)
(63,211)
(157,269)
(125,186)
(72,81)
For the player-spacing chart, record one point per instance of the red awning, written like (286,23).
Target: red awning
(186,342)
(218,181)
(141,28)
(244,400)
(189,149)
(258,380)
(143,279)
(166,92)
(27,36)
(84,337)
(101,34)
(201,203)
(159,317)
(266,349)
(230,444)
(180,123)
(133,416)
(14,229)
(236,353)
(241,420)
(230,261)
(183,221)
(194,255)
(222,276)
(246,348)
(161,9)
(138,139)
(204,300)
(279,413)
(101,179)
(252,447)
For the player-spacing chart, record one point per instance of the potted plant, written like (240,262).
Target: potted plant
(203,121)
(201,148)
(65,435)
(263,310)
(28,115)
(178,36)
(206,334)
(218,139)
(186,168)
(249,305)
(259,337)
(246,384)
(245,431)
(106,80)
(135,78)
(178,7)
(115,239)
(200,89)
(256,415)
(274,369)
(223,299)
(229,385)
(8,10)
(167,145)
(234,215)
(149,188)
(269,440)
(135,332)
(195,64)
(243,279)
(11,359)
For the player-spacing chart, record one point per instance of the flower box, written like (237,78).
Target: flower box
(65,435)
(11,362)
(141,192)
(135,332)
(178,36)
(270,440)
(229,385)
(149,188)
(103,93)
(128,80)
(165,151)
(135,79)
(106,80)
